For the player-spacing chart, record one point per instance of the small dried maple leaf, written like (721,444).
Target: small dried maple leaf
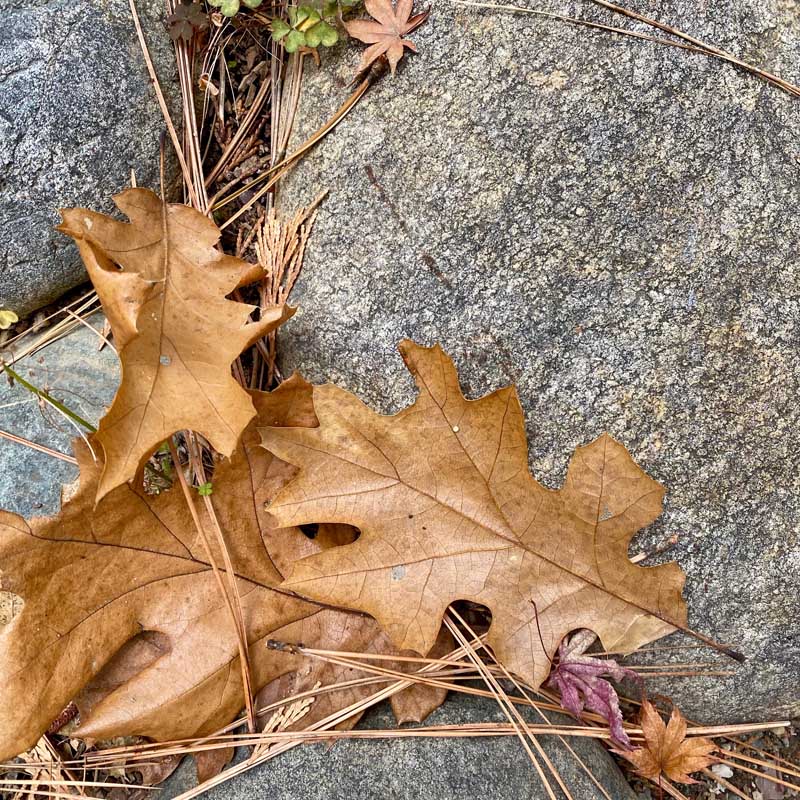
(448,510)
(122,613)
(385,36)
(580,680)
(667,750)
(188,18)
(163,283)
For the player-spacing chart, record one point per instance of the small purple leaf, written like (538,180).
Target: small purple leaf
(580,680)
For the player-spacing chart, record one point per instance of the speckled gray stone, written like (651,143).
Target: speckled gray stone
(73,371)
(612,226)
(421,769)
(77,114)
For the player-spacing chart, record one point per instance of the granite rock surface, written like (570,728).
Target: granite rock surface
(77,115)
(74,371)
(610,224)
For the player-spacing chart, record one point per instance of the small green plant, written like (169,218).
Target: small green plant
(311,25)
(205,490)
(305,28)
(229,8)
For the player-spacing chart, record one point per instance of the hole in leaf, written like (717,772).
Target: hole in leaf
(477,616)
(330,534)
(334,534)
(310,529)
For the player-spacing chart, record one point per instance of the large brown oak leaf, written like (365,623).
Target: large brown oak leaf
(163,283)
(122,613)
(448,510)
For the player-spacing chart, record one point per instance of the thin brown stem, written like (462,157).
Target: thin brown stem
(725,784)
(199,470)
(688,43)
(719,53)
(284,166)
(520,725)
(766,776)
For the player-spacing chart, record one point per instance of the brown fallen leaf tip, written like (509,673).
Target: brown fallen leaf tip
(448,510)
(667,750)
(163,284)
(385,32)
(121,612)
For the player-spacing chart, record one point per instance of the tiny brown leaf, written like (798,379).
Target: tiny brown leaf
(384,33)
(667,750)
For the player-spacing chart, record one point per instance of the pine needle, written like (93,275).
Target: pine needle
(232,610)
(40,447)
(688,42)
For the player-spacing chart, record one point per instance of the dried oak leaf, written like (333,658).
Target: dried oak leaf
(122,613)
(580,680)
(667,751)
(163,284)
(448,510)
(385,36)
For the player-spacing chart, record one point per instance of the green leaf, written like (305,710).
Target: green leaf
(330,8)
(313,35)
(321,34)
(229,7)
(329,35)
(301,15)
(205,490)
(279,29)
(252,3)
(310,19)
(294,41)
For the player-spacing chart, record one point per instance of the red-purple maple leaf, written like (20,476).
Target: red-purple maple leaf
(580,680)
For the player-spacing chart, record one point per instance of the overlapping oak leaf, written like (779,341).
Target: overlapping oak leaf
(448,510)
(122,614)
(384,33)
(667,750)
(163,283)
